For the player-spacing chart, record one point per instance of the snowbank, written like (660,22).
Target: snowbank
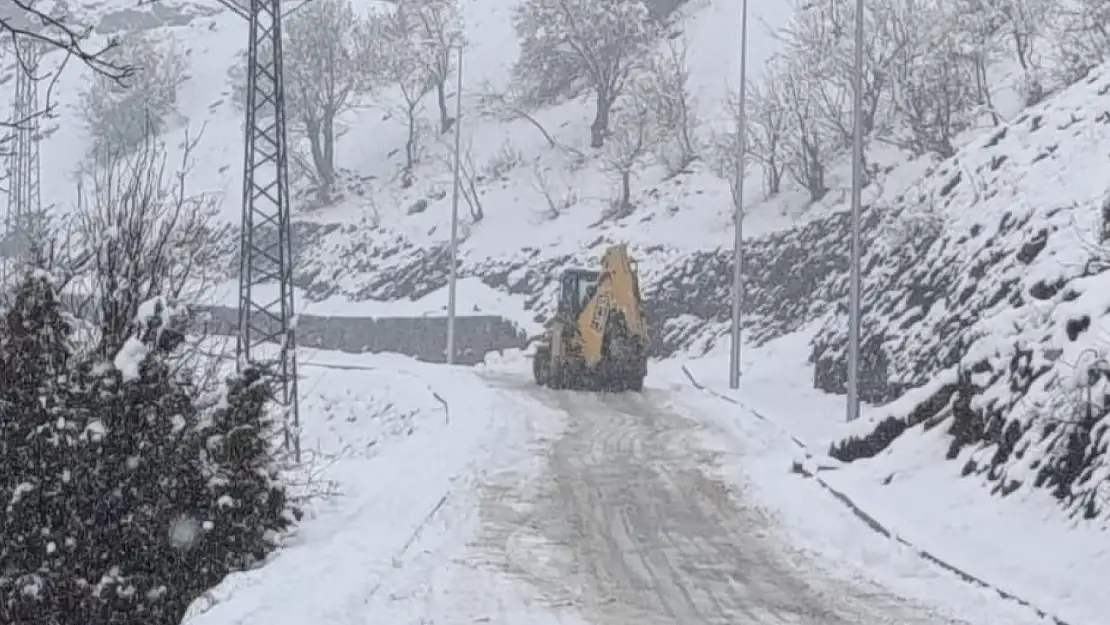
(401,445)
(1004,298)
(1022,545)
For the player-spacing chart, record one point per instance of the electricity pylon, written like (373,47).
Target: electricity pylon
(266,253)
(24,167)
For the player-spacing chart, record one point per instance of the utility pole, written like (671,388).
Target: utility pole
(738,205)
(267,325)
(453,276)
(854,285)
(24,166)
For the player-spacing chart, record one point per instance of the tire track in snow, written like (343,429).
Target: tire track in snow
(874,524)
(641,535)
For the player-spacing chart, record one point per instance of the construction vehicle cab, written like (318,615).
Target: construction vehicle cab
(597,339)
(576,287)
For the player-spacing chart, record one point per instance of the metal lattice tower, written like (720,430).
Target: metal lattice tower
(265,322)
(24,166)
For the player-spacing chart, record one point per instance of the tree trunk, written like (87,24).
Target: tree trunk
(815,180)
(625,203)
(477,212)
(410,149)
(873,101)
(316,140)
(983,88)
(327,175)
(329,142)
(774,177)
(445,120)
(600,128)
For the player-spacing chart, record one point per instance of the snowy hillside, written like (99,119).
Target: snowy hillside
(996,307)
(971,260)
(985,295)
(383,242)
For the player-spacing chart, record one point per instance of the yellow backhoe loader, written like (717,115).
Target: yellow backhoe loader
(598,339)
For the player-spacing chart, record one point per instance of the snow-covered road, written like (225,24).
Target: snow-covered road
(626,527)
(469,495)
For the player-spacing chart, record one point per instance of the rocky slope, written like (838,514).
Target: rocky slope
(995,305)
(792,277)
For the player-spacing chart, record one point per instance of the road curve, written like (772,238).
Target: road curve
(625,528)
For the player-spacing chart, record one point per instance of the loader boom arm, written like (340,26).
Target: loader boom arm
(618,291)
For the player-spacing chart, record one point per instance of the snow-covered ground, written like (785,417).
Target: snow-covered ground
(408,458)
(1022,544)
(214,36)
(395,449)
(412,447)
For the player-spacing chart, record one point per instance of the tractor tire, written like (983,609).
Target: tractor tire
(557,375)
(541,367)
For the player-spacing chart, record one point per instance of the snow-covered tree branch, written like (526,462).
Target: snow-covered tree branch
(330,59)
(1082,37)
(123,115)
(811,146)
(935,92)
(25,26)
(571,46)
(142,234)
(510,105)
(675,109)
(439,33)
(406,65)
(768,125)
(634,135)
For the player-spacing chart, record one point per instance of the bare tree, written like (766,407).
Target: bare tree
(975,30)
(1026,24)
(510,105)
(405,64)
(556,201)
(727,149)
(570,46)
(675,109)
(634,136)
(934,98)
(814,38)
(469,177)
(470,194)
(768,125)
(331,59)
(767,128)
(810,147)
(1082,38)
(141,234)
(820,38)
(439,30)
(23,23)
(123,115)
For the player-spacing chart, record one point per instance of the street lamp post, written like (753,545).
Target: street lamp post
(455,216)
(854,285)
(738,206)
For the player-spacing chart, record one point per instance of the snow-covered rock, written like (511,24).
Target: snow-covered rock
(1007,303)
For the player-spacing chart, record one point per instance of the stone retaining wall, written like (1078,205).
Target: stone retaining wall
(424,338)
